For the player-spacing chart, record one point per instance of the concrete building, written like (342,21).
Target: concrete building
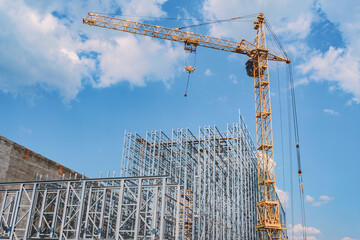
(18,163)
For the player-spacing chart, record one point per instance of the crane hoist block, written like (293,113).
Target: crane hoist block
(189,69)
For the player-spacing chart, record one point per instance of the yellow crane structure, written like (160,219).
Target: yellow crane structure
(267,208)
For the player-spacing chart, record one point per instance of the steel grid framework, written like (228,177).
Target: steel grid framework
(89,209)
(216,169)
(185,186)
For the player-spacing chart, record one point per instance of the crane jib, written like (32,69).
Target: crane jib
(244,47)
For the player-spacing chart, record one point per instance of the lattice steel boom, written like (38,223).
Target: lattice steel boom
(268,215)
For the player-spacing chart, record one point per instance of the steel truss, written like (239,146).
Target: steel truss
(217,171)
(103,208)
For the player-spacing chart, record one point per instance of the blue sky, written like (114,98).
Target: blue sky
(69,91)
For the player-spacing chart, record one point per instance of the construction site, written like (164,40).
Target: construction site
(206,183)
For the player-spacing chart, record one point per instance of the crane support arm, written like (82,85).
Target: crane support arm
(243,47)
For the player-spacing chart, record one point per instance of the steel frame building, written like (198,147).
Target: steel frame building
(216,170)
(107,208)
(187,186)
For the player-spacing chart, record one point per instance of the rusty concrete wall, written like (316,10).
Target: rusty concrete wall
(17,163)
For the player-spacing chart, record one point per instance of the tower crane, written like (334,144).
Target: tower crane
(267,207)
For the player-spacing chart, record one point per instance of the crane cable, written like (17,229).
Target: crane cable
(281,120)
(297,139)
(276,39)
(290,158)
(150,17)
(204,21)
(281,126)
(216,21)
(187,85)
(189,72)
(291,98)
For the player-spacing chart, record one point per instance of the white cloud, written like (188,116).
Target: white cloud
(283,196)
(309,238)
(347,65)
(224,9)
(302,81)
(297,230)
(298,28)
(46,48)
(323,199)
(222,98)
(296,49)
(330,111)
(134,60)
(347,23)
(338,66)
(37,50)
(348,238)
(233,78)
(208,72)
(41,51)
(269,162)
(143,8)
(24,130)
(309,198)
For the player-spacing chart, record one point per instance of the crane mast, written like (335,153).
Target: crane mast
(267,208)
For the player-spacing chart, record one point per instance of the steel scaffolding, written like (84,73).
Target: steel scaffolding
(187,186)
(108,208)
(216,170)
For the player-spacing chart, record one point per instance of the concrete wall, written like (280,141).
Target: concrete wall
(17,163)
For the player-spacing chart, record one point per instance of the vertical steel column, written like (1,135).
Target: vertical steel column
(155,212)
(178,205)
(163,207)
(54,219)
(28,222)
(80,210)
(41,213)
(87,211)
(16,208)
(110,213)
(138,207)
(102,213)
(64,212)
(119,213)
(3,205)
